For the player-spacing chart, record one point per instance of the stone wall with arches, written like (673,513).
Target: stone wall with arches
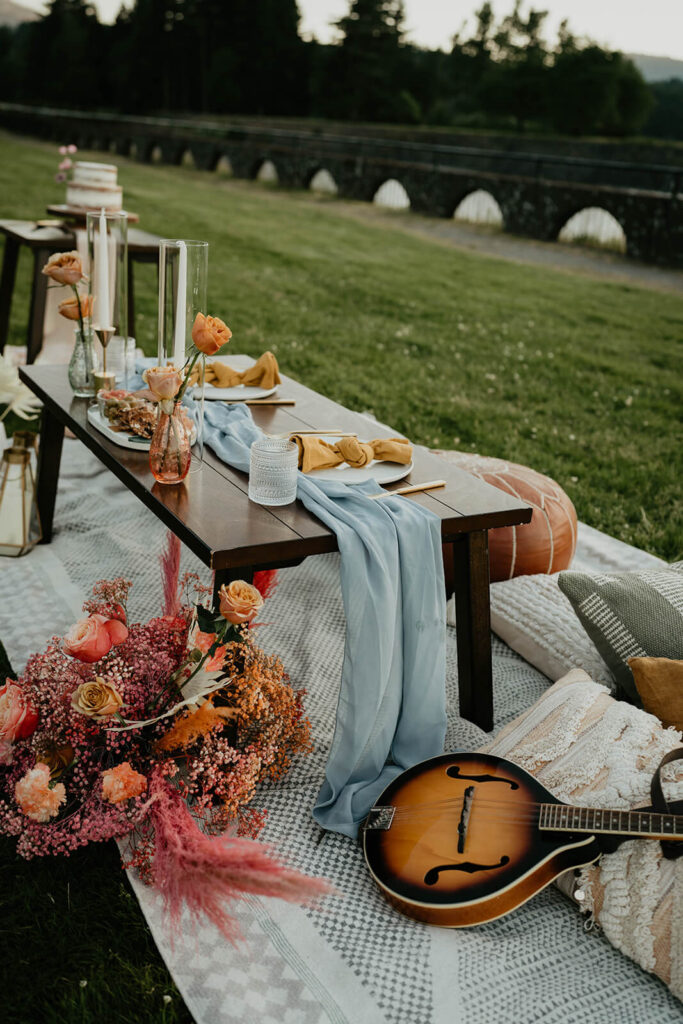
(536,194)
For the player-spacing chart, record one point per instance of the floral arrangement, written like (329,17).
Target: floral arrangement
(169,454)
(158,732)
(66,163)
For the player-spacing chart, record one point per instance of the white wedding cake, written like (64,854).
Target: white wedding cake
(93,186)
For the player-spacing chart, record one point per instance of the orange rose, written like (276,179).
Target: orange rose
(240,602)
(69,307)
(64,267)
(209,333)
(163,381)
(88,640)
(96,699)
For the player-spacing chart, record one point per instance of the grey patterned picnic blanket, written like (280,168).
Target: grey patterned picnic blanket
(353,960)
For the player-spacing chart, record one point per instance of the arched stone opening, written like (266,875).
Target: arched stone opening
(133,151)
(187,159)
(479,207)
(266,173)
(157,155)
(323,183)
(392,195)
(594,226)
(224,166)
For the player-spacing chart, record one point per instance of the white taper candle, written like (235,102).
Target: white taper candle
(102,310)
(181,308)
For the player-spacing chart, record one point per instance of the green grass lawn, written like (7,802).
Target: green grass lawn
(579,379)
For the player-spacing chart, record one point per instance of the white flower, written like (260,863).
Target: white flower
(15,395)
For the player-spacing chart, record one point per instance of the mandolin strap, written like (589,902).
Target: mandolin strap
(670,849)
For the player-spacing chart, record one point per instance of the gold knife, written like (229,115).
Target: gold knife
(430,485)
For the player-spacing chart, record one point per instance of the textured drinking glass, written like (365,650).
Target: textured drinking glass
(273,467)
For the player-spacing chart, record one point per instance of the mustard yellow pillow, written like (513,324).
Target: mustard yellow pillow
(659,682)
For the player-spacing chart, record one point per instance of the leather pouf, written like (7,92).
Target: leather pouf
(544,545)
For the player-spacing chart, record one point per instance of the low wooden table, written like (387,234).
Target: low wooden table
(211,513)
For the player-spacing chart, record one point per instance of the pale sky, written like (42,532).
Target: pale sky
(633,26)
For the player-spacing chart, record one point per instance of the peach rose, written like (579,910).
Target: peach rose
(163,381)
(69,307)
(18,720)
(96,699)
(121,783)
(34,796)
(64,267)
(240,602)
(88,640)
(209,333)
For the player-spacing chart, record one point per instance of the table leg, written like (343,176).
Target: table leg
(36,319)
(225,576)
(473,625)
(9,273)
(49,457)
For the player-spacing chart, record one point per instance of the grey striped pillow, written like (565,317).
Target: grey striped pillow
(629,615)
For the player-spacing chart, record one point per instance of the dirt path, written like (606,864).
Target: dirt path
(582,261)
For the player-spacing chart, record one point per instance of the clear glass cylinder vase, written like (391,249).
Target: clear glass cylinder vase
(183,277)
(108,281)
(170,451)
(82,364)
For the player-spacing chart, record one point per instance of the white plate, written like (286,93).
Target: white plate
(240,393)
(121,437)
(381,472)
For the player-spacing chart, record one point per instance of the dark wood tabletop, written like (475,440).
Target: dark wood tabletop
(211,512)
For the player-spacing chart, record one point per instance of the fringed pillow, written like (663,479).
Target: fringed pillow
(590,749)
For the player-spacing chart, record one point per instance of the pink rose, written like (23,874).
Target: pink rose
(163,381)
(117,630)
(18,720)
(88,640)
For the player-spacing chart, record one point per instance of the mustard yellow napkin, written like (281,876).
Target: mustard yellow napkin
(314,453)
(263,374)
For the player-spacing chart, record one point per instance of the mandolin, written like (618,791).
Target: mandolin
(465,838)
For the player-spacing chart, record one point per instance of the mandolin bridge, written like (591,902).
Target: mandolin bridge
(379,819)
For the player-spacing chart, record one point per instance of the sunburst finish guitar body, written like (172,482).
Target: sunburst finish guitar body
(463,839)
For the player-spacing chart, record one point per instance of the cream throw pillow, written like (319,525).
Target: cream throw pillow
(590,749)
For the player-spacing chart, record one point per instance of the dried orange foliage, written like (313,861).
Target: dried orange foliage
(193,725)
(269,714)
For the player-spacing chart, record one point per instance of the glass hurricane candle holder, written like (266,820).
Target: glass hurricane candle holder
(108,285)
(183,276)
(273,467)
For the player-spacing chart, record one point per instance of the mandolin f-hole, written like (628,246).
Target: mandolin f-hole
(454,773)
(432,876)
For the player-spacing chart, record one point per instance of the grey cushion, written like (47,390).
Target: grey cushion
(629,615)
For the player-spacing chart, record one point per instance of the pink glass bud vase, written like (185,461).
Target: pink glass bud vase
(169,452)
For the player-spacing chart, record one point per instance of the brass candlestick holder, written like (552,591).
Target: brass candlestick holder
(105,334)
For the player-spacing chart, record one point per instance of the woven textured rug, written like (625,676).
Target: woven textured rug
(354,959)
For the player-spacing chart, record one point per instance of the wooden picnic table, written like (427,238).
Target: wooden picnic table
(211,512)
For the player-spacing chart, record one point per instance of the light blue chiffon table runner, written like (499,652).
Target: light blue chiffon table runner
(391,711)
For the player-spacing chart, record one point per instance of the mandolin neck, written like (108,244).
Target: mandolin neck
(644,824)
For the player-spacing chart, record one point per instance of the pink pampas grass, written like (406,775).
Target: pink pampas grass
(205,873)
(170,571)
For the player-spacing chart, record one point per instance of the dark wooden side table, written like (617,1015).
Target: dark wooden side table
(143,247)
(211,512)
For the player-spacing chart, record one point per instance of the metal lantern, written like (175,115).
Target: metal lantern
(20,528)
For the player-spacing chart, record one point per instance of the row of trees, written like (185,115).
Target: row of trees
(247,57)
